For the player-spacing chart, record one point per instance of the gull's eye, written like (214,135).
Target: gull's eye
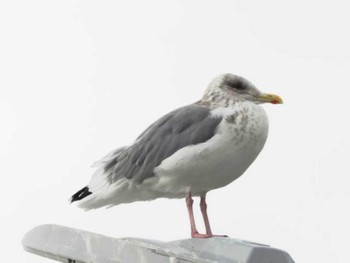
(238,86)
(235,84)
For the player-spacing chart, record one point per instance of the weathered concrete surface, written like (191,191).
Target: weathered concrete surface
(72,245)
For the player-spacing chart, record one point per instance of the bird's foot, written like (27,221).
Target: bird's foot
(219,235)
(198,235)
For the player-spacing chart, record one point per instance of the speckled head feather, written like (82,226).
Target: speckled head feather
(227,89)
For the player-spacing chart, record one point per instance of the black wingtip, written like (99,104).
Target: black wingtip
(81,194)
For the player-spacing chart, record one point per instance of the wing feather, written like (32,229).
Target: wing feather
(189,125)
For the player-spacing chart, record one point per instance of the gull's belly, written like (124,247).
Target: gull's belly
(219,161)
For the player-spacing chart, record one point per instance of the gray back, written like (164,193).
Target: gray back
(185,126)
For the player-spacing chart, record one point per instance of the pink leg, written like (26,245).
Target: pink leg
(203,206)
(194,231)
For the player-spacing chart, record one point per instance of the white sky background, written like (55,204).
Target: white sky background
(79,78)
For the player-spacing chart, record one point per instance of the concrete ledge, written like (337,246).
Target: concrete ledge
(73,245)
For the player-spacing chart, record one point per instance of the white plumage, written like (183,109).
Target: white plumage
(218,161)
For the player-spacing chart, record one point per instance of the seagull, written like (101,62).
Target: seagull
(187,152)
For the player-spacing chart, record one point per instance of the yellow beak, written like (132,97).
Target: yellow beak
(271,98)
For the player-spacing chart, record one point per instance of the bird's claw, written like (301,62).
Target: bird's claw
(198,235)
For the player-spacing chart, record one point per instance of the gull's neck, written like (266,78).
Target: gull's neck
(215,97)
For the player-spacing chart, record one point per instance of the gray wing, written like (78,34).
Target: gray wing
(185,126)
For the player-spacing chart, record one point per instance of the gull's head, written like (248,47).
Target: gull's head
(228,88)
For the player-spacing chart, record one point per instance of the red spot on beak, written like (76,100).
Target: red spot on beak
(274,102)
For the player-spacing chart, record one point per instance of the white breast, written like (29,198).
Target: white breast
(199,168)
